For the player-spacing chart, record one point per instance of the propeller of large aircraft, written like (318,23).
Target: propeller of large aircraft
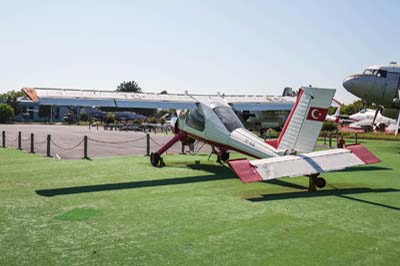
(378,110)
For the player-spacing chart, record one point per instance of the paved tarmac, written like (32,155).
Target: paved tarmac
(67,141)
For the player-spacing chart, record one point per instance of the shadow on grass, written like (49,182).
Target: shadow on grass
(343,192)
(364,168)
(128,185)
(221,172)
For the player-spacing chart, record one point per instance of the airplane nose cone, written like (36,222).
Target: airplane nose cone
(349,84)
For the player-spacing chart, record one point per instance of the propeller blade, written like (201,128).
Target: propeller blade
(397,125)
(376,114)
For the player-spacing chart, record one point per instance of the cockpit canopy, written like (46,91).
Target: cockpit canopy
(228,118)
(375,72)
(195,118)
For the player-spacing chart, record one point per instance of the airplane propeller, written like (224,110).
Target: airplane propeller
(378,110)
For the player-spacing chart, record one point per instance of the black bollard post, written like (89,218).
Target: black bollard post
(19,140)
(330,140)
(32,143)
(4,139)
(85,147)
(356,137)
(48,145)
(147,144)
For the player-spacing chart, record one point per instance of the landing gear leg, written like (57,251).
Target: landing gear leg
(314,182)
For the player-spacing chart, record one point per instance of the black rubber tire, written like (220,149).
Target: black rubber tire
(155,158)
(320,182)
(225,156)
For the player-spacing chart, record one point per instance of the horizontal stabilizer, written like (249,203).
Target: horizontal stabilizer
(300,165)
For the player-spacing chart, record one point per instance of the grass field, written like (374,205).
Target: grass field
(122,211)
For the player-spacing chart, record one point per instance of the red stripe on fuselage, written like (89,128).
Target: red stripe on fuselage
(289,117)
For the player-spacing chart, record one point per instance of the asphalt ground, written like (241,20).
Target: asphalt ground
(67,141)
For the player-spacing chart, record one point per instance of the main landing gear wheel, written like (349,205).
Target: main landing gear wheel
(224,156)
(320,182)
(155,158)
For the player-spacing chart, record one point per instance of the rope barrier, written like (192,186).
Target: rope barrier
(41,142)
(116,142)
(64,148)
(26,139)
(155,142)
(12,140)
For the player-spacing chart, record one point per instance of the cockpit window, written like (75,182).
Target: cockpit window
(376,72)
(228,118)
(382,73)
(368,72)
(195,119)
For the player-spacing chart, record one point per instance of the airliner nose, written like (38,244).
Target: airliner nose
(348,84)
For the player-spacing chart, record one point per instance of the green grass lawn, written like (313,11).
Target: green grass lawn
(123,211)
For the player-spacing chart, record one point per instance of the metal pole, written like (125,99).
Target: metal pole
(4,138)
(19,140)
(330,140)
(48,145)
(85,147)
(356,137)
(32,143)
(147,144)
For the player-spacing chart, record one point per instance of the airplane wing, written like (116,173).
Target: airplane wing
(90,98)
(300,165)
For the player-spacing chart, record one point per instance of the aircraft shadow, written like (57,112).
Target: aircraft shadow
(128,185)
(364,168)
(342,192)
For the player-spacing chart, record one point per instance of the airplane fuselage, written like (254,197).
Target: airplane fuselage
(215,123)
(378,84)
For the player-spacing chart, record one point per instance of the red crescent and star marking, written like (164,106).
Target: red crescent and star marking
(317,114)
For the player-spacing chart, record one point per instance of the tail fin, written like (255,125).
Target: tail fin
(337,113)
(305,120)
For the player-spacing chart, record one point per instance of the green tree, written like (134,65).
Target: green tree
(110,118)
(10,98)
(355,107)
(6,112)
(130,86)
(329,126)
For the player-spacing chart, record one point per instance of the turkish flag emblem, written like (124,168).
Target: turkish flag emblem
(317,114)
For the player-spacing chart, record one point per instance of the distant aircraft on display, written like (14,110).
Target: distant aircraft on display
(367,119)
(379,84)
(211,119)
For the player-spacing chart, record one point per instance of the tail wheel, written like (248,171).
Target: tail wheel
(320,182)
(224,156)
(155,158)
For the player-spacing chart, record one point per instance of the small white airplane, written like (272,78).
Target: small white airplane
(379,84)
(214,122)
(211,119)
(368,118)
(336,116)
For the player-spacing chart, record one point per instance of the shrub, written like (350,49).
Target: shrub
(329,126)
(110,118)
(6,112)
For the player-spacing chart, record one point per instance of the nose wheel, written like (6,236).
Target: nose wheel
(155,158)
(315,181)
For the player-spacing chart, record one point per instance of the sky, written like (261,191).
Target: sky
(234,47)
